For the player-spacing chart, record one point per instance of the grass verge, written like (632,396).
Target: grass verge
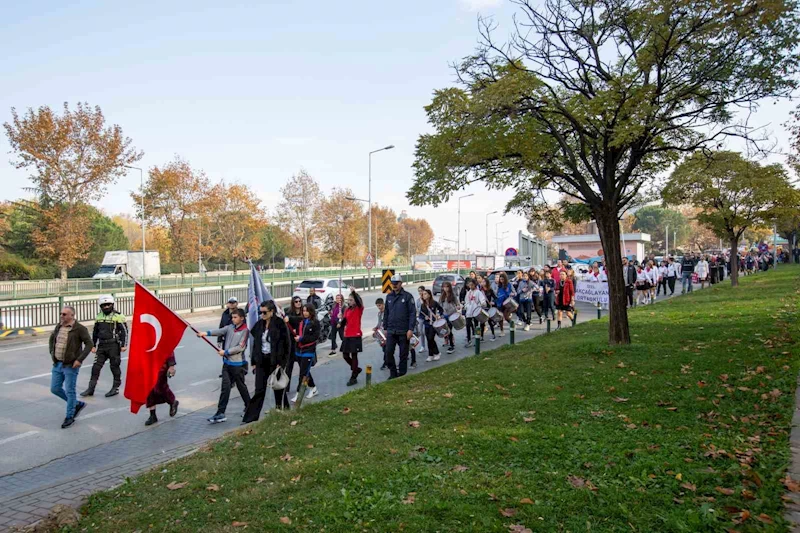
(686,429)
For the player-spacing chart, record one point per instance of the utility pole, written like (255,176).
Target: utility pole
(666,241)
(487,230)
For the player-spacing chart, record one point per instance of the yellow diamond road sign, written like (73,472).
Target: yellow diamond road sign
(386,280)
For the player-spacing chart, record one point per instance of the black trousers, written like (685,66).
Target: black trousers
(253,411)
(629,294)
(671,283)
(393,340)
(525,308)
(430,334)
(334,333)
(107,351)
(470,328)
(232,375)
(662,284)
(305,370)
(537,304)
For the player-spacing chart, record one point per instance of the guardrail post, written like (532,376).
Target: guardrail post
(191,299)
(599,312)
(511,333)
(60,303)
(291,287)
(477,345)
(14,290)
(369,375)
(548,325)
(222,297)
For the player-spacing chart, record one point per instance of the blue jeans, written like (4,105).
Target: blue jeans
(61,376)
(686,277)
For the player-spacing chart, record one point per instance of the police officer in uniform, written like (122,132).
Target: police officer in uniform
(109,336)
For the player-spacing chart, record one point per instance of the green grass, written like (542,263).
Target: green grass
(686,429)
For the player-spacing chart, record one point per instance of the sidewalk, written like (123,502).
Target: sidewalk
(28,495)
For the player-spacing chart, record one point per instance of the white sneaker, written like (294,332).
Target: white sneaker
(502,333)
(429,359)
(311,393)
(421,350)
(526,328)
(293,399)
(436,357)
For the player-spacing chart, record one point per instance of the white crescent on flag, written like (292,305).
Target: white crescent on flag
(153,321)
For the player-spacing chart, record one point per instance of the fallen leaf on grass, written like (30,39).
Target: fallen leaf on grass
(448,394)
(296,478)
(723,490)
(576,482)
(176,486)
(619,399)
(689,486)
(413,424)
(410,498)
(526,501)
(514,439)
(790,484)
(239,524)
(765,518)
(620,365)
(492,498)
(508,513)
(499,387)
(286,457)
(460,468)
(286,520)
(519,528)
(213,487)
(528,419)
(294,423)
(346,410)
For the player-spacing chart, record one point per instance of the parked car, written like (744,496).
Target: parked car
(455,279)
(510,272)
(324,288)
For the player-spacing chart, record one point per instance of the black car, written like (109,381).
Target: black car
(455,279)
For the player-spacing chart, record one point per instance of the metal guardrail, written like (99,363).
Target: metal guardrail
(180,300)
(28,289)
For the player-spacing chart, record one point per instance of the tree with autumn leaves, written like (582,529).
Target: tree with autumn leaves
(72,158)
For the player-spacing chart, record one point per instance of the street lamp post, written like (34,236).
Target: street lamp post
(496,238)
(487,230)
(369,200)
(458,235)
(144,255)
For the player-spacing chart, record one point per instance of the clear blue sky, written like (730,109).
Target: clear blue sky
(253,91)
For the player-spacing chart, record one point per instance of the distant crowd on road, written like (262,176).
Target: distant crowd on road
(406,326)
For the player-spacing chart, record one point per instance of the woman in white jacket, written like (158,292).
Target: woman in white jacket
(702,271)
(652,277)
(474,301)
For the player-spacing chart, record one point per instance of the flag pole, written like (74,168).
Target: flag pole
(137,282)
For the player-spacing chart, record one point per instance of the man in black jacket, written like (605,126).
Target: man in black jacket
(399,319)
(629,275)
(687,269)
(313,298)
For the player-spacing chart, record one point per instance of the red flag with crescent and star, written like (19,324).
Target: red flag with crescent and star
(155,332)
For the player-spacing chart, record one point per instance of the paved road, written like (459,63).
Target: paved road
(30,416)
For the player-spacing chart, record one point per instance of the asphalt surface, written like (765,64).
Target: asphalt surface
(31,417)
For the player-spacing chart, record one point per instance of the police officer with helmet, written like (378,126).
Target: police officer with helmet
(109,335)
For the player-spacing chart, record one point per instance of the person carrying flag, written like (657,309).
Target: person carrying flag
(232,352)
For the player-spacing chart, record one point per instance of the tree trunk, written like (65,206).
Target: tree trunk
(63,273)
(608,226)
(734,260)
(234,265)
(183,270)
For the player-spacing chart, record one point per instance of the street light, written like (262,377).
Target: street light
(369,200)
(458,245)
(496,238)
(144,255)
(487,230)
(503,238)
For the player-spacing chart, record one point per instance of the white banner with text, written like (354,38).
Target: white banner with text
(592,292)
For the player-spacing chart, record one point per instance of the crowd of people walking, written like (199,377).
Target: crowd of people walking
(406,326)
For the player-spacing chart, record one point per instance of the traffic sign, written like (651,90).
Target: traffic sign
(386,280)
(369,261)
(511,252)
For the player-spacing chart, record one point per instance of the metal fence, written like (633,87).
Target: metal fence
(27,289)
(180,300)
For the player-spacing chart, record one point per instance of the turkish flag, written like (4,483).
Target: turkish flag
(155,332)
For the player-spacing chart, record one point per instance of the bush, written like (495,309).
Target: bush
(12,267)
(175,268)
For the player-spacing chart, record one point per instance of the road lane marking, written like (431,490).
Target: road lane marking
(196,383)
(179,347)
(180,391)
(26,379)
(103,412)
(17,437)
(28,347)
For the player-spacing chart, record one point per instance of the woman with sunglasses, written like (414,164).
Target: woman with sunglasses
(271,345)
(293,317)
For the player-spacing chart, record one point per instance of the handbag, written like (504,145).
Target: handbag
(278,380)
